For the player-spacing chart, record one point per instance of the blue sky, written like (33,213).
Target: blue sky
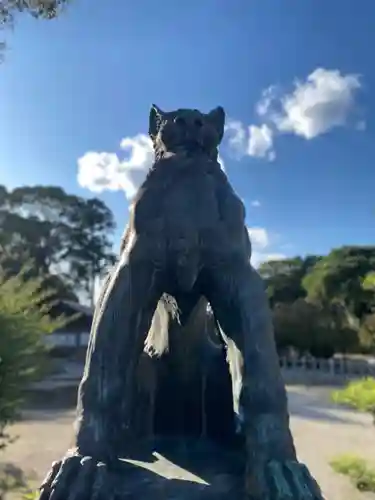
(296,78)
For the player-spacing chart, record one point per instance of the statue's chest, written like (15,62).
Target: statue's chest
(191,199)
(184,204)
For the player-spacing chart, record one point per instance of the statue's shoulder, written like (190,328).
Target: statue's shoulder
(171,168)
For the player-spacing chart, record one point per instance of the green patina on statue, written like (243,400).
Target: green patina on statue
(187,240)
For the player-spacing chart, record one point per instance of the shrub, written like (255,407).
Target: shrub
(24,321)
(14,480)
(31,495)
(359,394)
(361,473)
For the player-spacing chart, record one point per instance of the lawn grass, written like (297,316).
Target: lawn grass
(360,472)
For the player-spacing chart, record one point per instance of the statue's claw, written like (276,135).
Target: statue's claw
(288,480)
(77,478)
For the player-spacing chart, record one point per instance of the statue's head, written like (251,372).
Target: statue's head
(187,130)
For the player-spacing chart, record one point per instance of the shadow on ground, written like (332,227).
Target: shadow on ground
(313,405)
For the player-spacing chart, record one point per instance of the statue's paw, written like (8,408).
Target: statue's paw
(288,480)
(77,478)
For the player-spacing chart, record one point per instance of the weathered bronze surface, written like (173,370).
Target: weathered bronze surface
(145,387)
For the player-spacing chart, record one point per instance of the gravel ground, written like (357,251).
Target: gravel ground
(321,431)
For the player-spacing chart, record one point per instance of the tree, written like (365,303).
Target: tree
(90,252)
(369,281)
(63,234)
(309,328)
(367,329)
(367,332)
(344,325)
(339,276)
(340,286)
(24,321)
(284,278)
(39,9)
(302,325)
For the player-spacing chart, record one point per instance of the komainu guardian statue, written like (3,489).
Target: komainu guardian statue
(186,238)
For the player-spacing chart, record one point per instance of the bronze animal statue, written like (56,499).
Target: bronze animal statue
(183,382)
(187,238)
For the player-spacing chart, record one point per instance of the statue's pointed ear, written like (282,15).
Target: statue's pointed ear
(217,118)
(156,115)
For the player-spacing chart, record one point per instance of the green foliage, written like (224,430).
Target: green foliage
(14,480)
(24,321)
(309,328)
(66,236)
(369,281)
(30,495)
(359,394)
(339,276)
(367,332)
(324,305)
(361,473)
(367,327)
(284,278)
(39,9)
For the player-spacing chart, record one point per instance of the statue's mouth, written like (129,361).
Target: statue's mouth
(192,146)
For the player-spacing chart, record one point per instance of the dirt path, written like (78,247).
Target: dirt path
(320,429)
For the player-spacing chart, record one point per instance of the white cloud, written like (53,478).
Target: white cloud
(139,151)
(260,243)
(268,96)
(261,142)
(236,136)
(257,258)
(258,237)
(255,203)
(274,256)
(100,171)
(250,140)
(221,162)
(324,101)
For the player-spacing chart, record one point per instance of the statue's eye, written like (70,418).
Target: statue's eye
(198,123)
(180,121)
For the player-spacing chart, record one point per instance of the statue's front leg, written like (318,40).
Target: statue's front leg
(106,393)
(237,295)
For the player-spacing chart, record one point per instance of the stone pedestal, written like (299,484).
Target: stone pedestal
(176,469)
(180,470)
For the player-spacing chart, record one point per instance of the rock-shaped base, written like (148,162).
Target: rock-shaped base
(180,469)
(288,480)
